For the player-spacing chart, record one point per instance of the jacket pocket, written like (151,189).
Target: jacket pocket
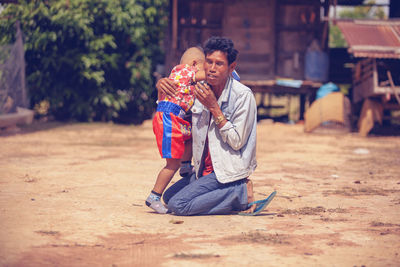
(199,115)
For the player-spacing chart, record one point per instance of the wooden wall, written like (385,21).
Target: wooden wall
(297,24)
(250,24)
(197,20)
(271,35)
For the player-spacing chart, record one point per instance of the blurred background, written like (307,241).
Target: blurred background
(90,60)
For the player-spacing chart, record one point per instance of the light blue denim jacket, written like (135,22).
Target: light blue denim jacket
(233,147)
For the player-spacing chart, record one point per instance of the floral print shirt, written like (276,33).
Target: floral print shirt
(184,75)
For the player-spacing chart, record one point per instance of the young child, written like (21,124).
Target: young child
(172,131)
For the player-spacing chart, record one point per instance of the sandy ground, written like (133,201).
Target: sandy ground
(73,195)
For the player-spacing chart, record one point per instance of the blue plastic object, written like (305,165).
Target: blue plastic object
(235,75)
(327,89)
(289,83)
(316,63)
(317,66)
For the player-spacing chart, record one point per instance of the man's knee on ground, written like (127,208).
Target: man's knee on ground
(167,196)
(178,206)
(175,188)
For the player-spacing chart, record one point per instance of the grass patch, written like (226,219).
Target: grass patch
(260,238)
(195,256)
(381,224)
(43,232)
(312,211)
(365,191)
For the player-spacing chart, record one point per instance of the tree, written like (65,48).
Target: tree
(90,59)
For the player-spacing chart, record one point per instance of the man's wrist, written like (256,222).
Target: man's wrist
(218,120)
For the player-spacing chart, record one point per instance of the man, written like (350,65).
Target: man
(224,120)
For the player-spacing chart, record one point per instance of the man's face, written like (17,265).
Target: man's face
(217,68)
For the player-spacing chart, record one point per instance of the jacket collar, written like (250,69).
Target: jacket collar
(222,100)
(227,91)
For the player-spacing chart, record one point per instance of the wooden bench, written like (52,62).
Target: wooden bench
(306,90)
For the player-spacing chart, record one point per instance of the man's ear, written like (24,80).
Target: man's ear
(232,67)
(194,62)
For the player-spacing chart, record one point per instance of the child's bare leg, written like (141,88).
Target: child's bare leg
(163,179)
(186,166)
(166,174)
(187,155)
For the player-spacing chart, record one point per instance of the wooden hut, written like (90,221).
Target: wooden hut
(272,37)
(376,45)
(376,76)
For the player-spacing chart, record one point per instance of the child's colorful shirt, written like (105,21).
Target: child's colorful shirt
(185,76)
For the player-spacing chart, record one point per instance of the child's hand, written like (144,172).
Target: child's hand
(166,87)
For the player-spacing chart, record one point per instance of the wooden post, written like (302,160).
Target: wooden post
(21,61)
(389,74)
(375,83)
(325,32)
(174,24)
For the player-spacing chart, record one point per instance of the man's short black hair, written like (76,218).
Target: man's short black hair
(222,44)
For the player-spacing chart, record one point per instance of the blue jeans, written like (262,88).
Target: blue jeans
(205,196)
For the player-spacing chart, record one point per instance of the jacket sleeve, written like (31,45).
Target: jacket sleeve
(240,124)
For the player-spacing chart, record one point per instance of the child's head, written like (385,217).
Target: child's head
(194,56)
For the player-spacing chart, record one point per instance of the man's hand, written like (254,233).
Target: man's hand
(206,96)
(166,87)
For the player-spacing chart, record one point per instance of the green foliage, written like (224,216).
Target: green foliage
(363,12)
(336,38)
(90,59)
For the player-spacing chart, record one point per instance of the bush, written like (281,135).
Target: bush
(90,59)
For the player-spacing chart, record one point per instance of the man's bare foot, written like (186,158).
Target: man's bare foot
(250,196)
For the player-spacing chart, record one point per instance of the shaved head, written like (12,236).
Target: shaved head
(192,53)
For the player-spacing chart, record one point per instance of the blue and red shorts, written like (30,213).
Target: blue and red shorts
(171,130)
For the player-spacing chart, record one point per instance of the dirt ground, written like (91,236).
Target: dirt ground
(73,195)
